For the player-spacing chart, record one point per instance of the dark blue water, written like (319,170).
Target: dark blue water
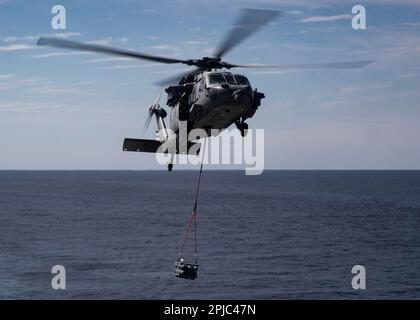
(278,235)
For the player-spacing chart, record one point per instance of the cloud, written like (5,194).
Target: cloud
(123,40)
(196,42)
(327,18)
(12,82)
(7,76)
(61,35)
(60,54)
(54,89)
(163,47)
(351,89)
(9,39)
(9,82)
(15,47)
(411,24)
(392,47)
(6,106)
(294,12)
(104,42)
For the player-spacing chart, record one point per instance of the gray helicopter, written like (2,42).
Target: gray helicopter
(208,96)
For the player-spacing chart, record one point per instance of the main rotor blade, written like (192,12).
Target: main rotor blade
(248,23)
(330,65)
(75,45)
(176,78)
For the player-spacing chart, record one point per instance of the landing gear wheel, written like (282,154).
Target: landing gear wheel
(170,167)
(244,129)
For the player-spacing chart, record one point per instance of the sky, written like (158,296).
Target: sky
(64,110)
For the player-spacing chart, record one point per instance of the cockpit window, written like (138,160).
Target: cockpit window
(216,78)
(241,80)
(220,78)
(230,79)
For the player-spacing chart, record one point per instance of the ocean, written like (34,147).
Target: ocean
(280,235)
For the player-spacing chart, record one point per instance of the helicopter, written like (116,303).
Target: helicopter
(207,97)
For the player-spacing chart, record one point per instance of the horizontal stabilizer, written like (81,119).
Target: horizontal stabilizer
(142,145)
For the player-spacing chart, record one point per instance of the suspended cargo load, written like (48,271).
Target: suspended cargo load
(185,270)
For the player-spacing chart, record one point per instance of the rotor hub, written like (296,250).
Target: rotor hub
(209,63)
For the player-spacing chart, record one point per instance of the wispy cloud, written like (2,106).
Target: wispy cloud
(10,39)
(10,82)
(60,54)
(16,47)
(123,40)
(294,12)
(7,76)
(172,47)
(347,90)
(15,43)
(6,106)
(196,42)
(104,42)
(61,35)
(411,24)
(327,18)
(58,88)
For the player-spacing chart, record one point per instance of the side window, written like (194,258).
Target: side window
(230,79)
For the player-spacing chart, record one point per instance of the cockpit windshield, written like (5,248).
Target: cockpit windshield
(216,78)
(220,78)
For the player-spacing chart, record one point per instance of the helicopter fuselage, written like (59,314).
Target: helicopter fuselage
(212,100)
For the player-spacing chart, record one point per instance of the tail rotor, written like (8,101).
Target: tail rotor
(155,108)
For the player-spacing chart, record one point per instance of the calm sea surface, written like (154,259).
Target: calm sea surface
(283,234)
